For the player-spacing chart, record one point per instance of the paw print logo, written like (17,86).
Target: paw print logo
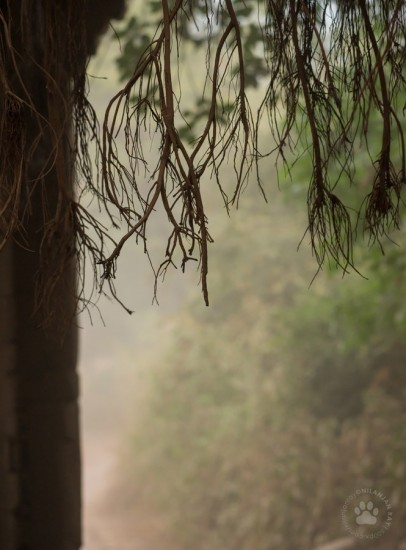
(366,513)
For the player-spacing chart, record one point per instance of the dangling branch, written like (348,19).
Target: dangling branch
(179,165)
(380,207)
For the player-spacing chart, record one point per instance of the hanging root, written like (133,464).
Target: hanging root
(328,70)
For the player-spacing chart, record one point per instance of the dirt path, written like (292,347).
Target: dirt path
(110,521)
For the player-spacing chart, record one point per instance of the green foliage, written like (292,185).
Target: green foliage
(195,26)
(196,29)
(268,409)
(135,37)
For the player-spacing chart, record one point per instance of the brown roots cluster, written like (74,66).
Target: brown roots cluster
(330,65)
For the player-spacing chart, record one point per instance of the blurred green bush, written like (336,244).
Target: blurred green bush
(268,409)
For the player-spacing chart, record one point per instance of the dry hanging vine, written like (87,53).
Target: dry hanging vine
(328,63)
(149,99)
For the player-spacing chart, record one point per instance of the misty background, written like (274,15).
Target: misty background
(246,424)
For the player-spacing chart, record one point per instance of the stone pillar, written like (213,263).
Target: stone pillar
(9,455)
